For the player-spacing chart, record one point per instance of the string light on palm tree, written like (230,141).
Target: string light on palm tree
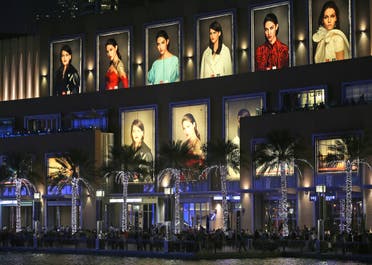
(278,155)
(351,151)
(17,170)
(220,155)
(124,164)
(175,160)
(72,166)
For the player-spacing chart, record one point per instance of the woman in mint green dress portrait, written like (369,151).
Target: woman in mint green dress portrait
(165,69)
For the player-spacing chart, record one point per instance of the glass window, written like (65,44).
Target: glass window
(272,220)
(305,98)
(358,93)
(48,122)
(327,155)
(194,214)
(6,126)
(109,5)
(311,98)
(89,119)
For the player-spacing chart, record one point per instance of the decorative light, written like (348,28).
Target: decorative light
(37,195)
(168,191)
(129,200)
(320,188)
(139,61)
(100,193)
(244,45)
(348,199)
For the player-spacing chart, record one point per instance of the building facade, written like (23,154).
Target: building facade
(319,101)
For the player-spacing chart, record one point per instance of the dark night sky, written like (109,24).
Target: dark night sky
(18,16)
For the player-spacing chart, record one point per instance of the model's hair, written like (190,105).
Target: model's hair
(243,113)
(332,5)
(272,18)
(216,27)
(113,43)
(189,117)
(140,125)
(67,49)
(163,34)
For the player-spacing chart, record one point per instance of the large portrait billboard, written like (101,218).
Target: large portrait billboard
(271,45)
(122,37)
(215,44)
(330,30)
(138,127)
(235,108)
(66,66)
(163,52)
(190,125)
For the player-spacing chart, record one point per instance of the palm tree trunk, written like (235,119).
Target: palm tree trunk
(74,184)
(225,210)
(177,223)
(283,211)
(18,185)
(124,212)
(348,200)
(58,216)
(342,215)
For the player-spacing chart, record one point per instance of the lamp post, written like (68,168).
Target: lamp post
(321,190)
(36,216)
(291,211)
(168,217)
(100,194)
(168,211)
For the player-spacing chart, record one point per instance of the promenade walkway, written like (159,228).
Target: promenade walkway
(191,249)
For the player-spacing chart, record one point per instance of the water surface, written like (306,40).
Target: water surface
(16,258)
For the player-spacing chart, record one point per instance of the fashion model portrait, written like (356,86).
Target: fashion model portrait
(331,43)
(165,69)
(273,54)
(67,79)
(216,59)
(116,71)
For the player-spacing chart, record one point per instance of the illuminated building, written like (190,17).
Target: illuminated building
(314,100)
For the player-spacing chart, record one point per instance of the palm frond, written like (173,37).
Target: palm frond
(347,147)
(72,164)
(18,167)
(126,159)
(88,186)
(280,148)
(222,153)
(177,154)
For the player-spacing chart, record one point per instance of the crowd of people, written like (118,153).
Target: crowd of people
(190,239)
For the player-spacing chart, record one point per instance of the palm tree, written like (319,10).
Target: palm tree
(177,160)
(75,167)
(17,171)
(352,151)
(279,155)
(219,156)
(125,163)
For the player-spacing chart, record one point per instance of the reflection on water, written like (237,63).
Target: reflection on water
(69,259)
